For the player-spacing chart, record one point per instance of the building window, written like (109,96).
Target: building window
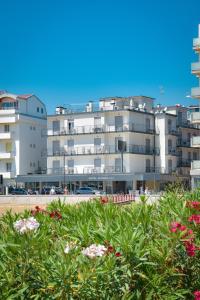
(194,155)
(148,165)
(31,145)
(56,147)
(8,147)
(97,142)
(118,165)
(147,125)
(34,146)
(169,122)
(169,166)
(71,126)
(169,146)
(31,127)
(34,164)
(70,143)
(56,166)
(6,128)
(8,167)
(56,126)
(42,110)
(97,163)
(38,109)
(30,164)
(148,146)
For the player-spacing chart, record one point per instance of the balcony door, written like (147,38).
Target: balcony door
(56,166)
(118,123)
(56,126)
(118,165)
(56,147)
(148,145)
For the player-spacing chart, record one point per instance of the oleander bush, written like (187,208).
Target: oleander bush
(100,250)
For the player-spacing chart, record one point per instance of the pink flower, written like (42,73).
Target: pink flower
(193,204)
(194,218)
(175,226)
(197,295)
(190,248)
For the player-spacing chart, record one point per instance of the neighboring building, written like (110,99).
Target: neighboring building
(195,115)
(22,135)
(123,144)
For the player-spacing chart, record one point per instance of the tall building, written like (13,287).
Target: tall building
(22,140)
(195,114)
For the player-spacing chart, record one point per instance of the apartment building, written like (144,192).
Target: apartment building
(22,140)
(195,115)
(123,144)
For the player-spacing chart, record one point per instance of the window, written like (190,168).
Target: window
(118,165)
(169,166)
(56,166)
(169,125)
(188,137)
(34,164)
(31,127)
(70,143)
(34,146)
(71,126)
(148,145)
(42,110)
(118,123)
(30,164)
(8,147)
(38,109)
(31,145)
(97,142)
(194,155)
(97,124)
(169,146)
(8,167)
(56,147)
(56,126)
(70,164)
(97,162)
(189,155)
(6,128)
(147,125)
(148,165)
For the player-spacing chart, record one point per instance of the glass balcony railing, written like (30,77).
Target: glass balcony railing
(196,43)
(195,141)
(195,92)
(195,117)
(196,164)
(73,151)
(195,67)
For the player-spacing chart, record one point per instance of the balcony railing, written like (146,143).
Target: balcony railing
(195,141)
(129,127)
(196,67)
(172,152)
(183,143)
(184,163)
(135,149)
(195,92)
(195,165)
(196,43)
(173,131)
(188,125)
(85,170)
(195,117)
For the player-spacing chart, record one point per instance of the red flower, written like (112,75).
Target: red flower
(118,254)
(182,228)
(190,248)
(197,295)
(55,215)
(175,226)
(111,249)
(194,218)
(103,199)
(193,204)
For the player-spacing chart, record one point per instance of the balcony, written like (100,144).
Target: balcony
(6,155)
(195,141)
(186,163)
(91,129)
(196,44)
(183,143)
(196,68)
(85,170)
(173,131)
(172,152)
(195,117)
(195,92)
(5,135)
(132,149)
(195,168)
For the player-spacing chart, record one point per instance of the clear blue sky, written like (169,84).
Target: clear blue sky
(74,51)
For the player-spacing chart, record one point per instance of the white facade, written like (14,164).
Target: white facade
(22,135)
(195,115)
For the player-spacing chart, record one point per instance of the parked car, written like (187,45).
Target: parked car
(19,191)
(87,191)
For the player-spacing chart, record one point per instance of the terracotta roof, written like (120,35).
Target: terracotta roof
(25,97)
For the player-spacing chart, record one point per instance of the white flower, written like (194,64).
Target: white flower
(25,225)
(69,247)
(94,250)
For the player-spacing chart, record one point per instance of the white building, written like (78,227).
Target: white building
(22,135)
(195,115)
(83,147)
